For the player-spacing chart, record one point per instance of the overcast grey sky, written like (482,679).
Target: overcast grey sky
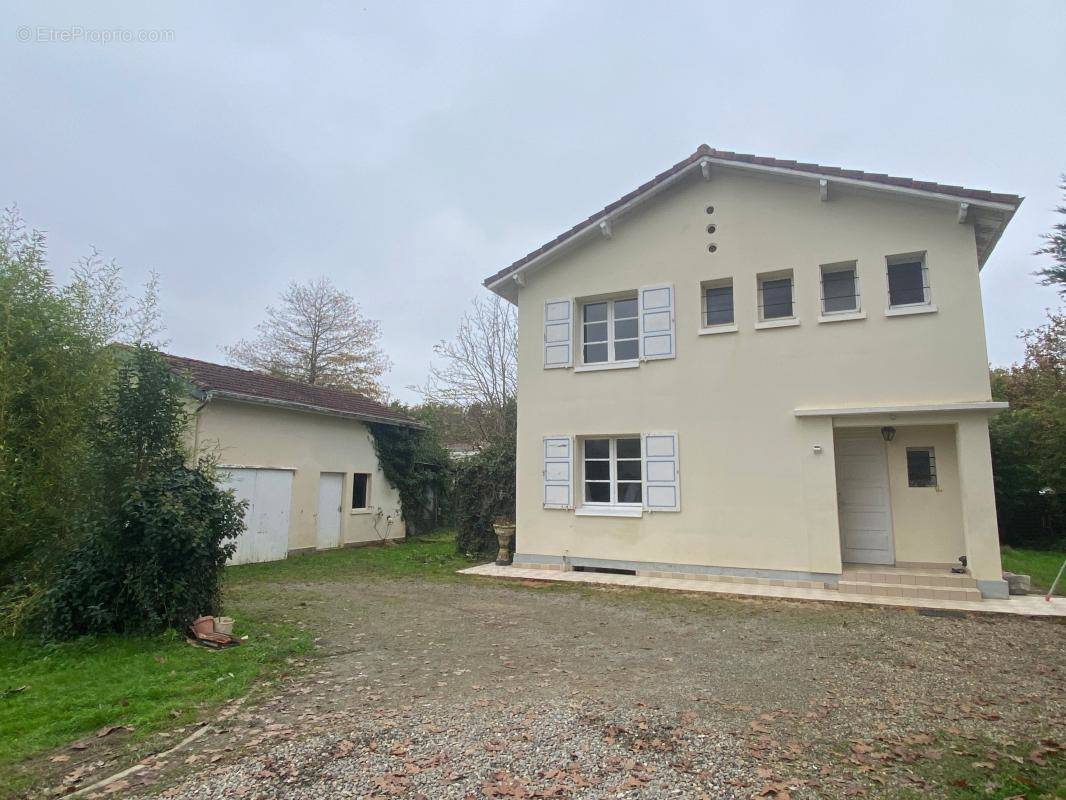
(408,150)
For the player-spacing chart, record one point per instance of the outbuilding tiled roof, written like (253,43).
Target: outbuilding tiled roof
(246,384)
(705,151)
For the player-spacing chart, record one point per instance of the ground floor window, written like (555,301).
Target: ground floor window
(921,466)
(360,490)
(613,471)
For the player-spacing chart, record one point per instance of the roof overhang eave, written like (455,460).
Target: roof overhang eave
(289,405)
(507,285)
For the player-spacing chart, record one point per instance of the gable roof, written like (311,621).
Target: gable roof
(216,380)
(997,208)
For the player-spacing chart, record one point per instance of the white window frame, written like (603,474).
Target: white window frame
(762,321)
(351,494)
(612,480)
(832,269)
(927,287)
(717,327)
(610,301)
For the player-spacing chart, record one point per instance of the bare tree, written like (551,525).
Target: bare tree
(479,367)
(319,336)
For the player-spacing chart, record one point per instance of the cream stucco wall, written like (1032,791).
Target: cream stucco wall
(754,493)
(243,434)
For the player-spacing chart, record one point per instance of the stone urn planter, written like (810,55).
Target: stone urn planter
(504,529)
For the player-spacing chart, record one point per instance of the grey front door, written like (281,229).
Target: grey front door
(863,499)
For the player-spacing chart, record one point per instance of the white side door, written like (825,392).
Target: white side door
(268,493)
(863,499)
(328,521)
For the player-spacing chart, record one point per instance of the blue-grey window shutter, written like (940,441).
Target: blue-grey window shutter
(657,339)
(558,472)
(558,333)
(662,491)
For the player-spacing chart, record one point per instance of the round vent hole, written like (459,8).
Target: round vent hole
(712,248)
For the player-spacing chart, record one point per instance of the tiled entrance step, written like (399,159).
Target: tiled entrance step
(918,584)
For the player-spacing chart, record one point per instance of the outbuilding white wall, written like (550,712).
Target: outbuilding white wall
(244,434)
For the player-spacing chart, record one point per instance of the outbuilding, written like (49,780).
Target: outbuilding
(302,457)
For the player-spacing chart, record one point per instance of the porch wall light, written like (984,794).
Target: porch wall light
(888,433)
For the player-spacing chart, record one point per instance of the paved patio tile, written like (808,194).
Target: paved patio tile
(1026,606)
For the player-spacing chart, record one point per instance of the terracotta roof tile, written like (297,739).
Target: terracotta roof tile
(235,381)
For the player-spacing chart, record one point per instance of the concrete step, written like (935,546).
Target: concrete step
(910,591)
(897,577)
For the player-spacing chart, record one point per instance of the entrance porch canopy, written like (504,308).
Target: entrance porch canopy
(970,420)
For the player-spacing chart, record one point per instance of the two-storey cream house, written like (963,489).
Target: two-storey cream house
(754,368)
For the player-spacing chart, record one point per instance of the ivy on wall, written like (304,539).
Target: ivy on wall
(416,463)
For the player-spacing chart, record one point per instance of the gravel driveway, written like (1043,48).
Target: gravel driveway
(482,689)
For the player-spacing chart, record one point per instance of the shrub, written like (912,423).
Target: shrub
(484,489)
(157,533)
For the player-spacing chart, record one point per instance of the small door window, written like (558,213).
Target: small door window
(921,467)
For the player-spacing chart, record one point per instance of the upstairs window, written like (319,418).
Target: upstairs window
(718,303)
(908,280)
(613,471)
(775,296)
(840,289)
(921,467)
(609,331)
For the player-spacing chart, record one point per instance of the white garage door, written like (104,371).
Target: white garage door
(266,520)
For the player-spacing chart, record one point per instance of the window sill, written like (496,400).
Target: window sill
(355,511)
(787,322)
(606,365)
(906,311)
(708,331)
(608,511)
(842,316)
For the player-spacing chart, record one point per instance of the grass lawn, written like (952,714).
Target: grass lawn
(51,695)
(431,556)
(1040,565)
(981,770)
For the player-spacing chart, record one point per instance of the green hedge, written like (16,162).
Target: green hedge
(484,489)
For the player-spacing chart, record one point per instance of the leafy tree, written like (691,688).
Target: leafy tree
(1029,440)
(54,369)
(1055,275)
(156,531)
(106,307)
(478,372)
(317,335)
